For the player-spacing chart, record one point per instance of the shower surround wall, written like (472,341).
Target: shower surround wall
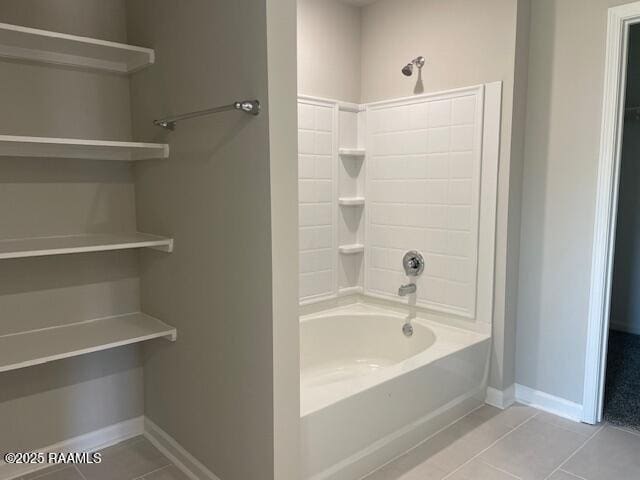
(423,193)
(317,199)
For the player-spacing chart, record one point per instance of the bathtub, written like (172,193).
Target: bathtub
(370,393)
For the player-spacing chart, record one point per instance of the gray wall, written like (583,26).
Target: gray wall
(329,51)
(213,389)
(625,292)
(43,405)
(465,43)
(564,106)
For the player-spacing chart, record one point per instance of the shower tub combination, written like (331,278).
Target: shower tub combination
(370,393)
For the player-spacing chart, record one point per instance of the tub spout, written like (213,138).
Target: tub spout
(407,289)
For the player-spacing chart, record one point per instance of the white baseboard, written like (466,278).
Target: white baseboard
(549,403)
(501,398)
(182,459)
(88,442)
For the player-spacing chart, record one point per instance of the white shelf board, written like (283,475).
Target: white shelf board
(22,146)
(352,152)
(94,242)
(351,201)
(25,349)
(44,46)
(351,249)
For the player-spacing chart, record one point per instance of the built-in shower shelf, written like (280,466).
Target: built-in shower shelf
(25,349)
(54,147)
(99,242)
(44,46)
(351,249)
(345,291)
(351,201)
(352,152)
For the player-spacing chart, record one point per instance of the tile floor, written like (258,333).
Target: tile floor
(134,459)
(488,444)
(520,443)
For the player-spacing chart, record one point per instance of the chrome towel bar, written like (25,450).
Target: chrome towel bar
(251,107)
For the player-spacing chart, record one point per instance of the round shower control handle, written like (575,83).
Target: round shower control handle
(413,263)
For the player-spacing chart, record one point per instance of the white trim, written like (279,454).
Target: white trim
(171,449)
(501,399)
(454,92)
(548,403)
(343,106)
(606,204)
(92,441)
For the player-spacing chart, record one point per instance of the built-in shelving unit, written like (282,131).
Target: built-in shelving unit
(351,198)
(43,46)
(351,249)
(35,347)
(53,147)
(352,152)
(61,245)
(351,201)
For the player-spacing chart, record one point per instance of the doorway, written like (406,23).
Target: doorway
(621,404)
(612,302)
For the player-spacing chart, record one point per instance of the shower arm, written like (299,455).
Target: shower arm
(251,107)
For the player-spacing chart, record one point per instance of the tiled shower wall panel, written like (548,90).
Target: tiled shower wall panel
(423,192)
(317,200)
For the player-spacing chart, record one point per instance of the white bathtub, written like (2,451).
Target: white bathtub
(369,393)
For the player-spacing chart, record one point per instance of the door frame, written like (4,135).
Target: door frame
(619,20)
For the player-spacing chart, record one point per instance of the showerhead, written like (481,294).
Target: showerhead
(407,70)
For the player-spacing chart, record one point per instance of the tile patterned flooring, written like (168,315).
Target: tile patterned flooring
(520,443)
(134,459)
(488,444)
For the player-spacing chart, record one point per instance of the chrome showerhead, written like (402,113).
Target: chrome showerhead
(407,70)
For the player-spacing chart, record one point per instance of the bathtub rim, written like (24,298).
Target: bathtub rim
(437,352)
(393,308)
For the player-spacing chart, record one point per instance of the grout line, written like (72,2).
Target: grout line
(38,474)
(419,444)
(588,436)
(559,467)
(632,432)
(152,471)
(572,474)
(80,473)
(500,469)
(491,445)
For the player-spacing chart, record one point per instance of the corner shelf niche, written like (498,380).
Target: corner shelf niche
(44,46)
(22,146)
(62,245)
(351,249)
(352,152)
(25,349)
(351,201)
